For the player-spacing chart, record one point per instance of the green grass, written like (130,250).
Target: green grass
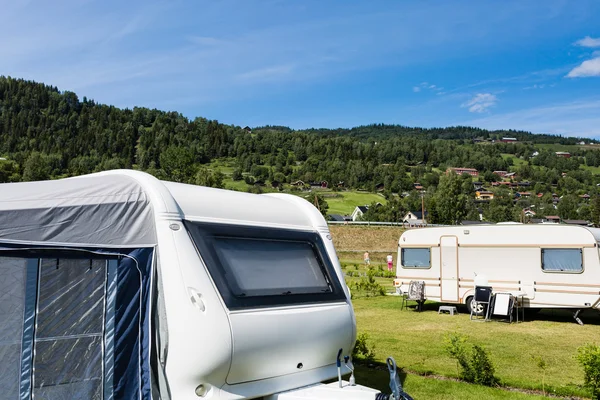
(416,341)
(426,388)
(516,160)
(347,201)
(558,147)
(593,170)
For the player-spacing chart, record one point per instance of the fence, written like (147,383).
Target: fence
(405,225)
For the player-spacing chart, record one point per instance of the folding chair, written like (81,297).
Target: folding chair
(416,292)
(502,306)
(481,304)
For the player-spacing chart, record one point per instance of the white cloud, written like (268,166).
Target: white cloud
(416,89)
(481,102)
(586,69)
(588,42)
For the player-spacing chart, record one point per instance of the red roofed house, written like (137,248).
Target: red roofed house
(460,171)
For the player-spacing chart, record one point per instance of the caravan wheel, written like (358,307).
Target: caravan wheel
(473,307)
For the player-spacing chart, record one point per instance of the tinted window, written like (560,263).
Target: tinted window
(416,258)
(264,267)
(257,267)
(562,260)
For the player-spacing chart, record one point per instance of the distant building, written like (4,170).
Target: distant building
(509,139)
(358,212)
(460,171)
(248,129)
(413,218)
(484,195)
(564,154)
(501,174)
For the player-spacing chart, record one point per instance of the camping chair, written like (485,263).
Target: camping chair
(502,306)
(481,303)
(416,292)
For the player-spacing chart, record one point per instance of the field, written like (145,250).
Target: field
(416,340)
(346,202)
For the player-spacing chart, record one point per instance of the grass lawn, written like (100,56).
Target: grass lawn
(420,387)
(593,170)
(416,341)
(347,201)
(516,160)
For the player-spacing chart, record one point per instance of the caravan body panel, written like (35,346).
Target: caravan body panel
(556,266)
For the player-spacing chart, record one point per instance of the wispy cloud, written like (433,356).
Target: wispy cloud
(588,42)
(481,102)
(427,87)
(266,74)
(579,118)
(586,69)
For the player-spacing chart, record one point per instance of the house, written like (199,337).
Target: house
(484,195)
(501,174)
(248,129)
(579,222)
(339,218)
(460,171)
(298,183)
(358,212)
(340,184)
(585,196)
(552,219)
(319,185)
(540,195)
(564,154)
(379,187)
(523,195)
(509,139)
(524,184)
(502,184)
(415,218)
(528,212)
(582,143)
(510,175)
(477,185)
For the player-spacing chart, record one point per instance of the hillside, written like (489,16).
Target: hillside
(46,134)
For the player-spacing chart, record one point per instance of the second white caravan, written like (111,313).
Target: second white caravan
(551,266)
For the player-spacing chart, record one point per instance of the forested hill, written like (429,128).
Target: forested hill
(45,133)
(383,131)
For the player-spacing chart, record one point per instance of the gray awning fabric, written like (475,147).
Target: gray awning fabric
(105,210)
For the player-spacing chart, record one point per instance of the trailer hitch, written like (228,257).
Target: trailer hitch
(398,392)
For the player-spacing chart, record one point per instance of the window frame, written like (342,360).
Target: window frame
(204,235)
(542,250)
(414,248)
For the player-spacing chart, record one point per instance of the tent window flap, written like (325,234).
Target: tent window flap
(75,323)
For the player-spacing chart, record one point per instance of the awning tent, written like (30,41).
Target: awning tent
(76,266)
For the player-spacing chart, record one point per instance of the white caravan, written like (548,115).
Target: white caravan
(550,266)
(119,286)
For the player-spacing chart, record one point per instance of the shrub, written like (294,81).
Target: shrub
(476,369)
(362,349)
(589,358)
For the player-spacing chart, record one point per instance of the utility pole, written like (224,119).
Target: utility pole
(423,208)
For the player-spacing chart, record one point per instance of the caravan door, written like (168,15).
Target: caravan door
(449,268)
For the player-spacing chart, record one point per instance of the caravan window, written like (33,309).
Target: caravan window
(416,257)
(562,260)
(257,267)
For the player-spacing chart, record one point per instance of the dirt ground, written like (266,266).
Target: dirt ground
(352,238)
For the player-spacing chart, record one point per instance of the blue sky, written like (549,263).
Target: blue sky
(532,65)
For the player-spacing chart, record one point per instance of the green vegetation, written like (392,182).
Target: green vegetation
(48,134)
(345,202)
(589,358)
(417,342)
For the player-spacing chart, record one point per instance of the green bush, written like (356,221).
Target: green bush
(475,369)
(589,358)
(362,349)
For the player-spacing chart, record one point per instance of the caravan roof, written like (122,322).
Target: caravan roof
(513,234)
(120,207)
